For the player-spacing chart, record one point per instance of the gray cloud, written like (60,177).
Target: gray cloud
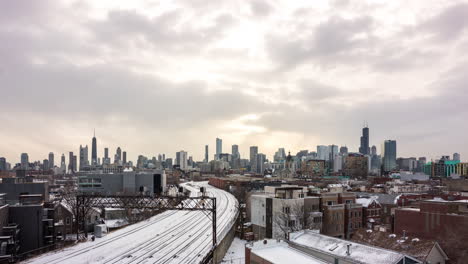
(260,7)
(449,24)
(63,79)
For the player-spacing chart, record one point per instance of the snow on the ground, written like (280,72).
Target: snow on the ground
(170,237)
(236,252)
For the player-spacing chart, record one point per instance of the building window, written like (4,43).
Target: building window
(329,202)
(67,221)
(291,223)
(286,210)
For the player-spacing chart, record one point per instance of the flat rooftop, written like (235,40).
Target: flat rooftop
(281,253)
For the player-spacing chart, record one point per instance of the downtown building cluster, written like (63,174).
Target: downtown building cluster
(332,190)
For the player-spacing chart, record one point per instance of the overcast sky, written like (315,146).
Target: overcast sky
(161,76)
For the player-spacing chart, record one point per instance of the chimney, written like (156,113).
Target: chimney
(347,250)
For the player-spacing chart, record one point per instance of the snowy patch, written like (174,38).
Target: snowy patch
(236,252)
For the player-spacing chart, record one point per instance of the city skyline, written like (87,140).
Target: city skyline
(245,154)
(152,79)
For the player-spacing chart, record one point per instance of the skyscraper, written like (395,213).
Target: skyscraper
(389,153)
(74,164)
(3,165)
(253,154)
(259,162)
(124,157)
(51,160)
(332,152)
(344,150)
(63,165)
(45,164)
(219,147)
(323,152)
(235,150)
(374,150)
(118,156)
(235,157)
(70,161)
(181,159)
(206,154)
(94,160)
(24,161)
(456,156)
(364,148)
(84,161)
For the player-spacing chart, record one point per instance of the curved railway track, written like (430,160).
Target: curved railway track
(179,237)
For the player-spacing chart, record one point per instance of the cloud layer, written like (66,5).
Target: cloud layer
(159,77)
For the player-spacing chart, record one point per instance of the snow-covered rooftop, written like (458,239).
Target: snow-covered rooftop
(367,201)
(281,253)
(338,247)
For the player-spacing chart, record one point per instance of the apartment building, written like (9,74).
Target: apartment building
(283,209)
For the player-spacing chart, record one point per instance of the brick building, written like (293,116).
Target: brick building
(356,165)
(314,168)
(440,220)
(372,211)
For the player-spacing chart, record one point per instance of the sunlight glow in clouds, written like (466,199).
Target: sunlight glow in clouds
(158,76)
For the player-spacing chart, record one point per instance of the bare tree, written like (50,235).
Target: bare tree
(68,198)
(293,217)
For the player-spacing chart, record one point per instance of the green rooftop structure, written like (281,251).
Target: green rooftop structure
(442,168)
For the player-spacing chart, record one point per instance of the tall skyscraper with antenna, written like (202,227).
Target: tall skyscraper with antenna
(364,148)
(94,160)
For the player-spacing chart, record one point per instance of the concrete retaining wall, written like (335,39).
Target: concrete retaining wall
(224,245)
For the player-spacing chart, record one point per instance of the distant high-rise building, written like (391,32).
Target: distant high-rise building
(364,148)
(344,150)
(24,161)
(260,161)
(280,155)
(181,159)
(124,157)
(456,156)
(63,165)
(219,147)
(45,165)
(70,162)
(253,153)
(51,160)
(235,150)
(323,152)
(106,153)
(332,152)
(374,150)
(389,153)
(94,160)
(3,164)
(84,161)
(235,157)
(75,163)
(118,156)
(206,154)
